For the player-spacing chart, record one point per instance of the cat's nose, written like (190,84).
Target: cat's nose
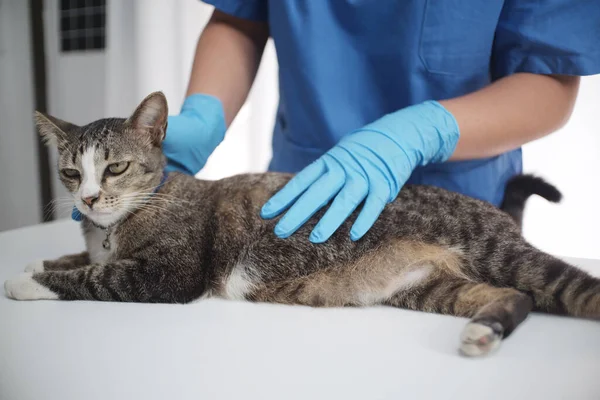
(90,200)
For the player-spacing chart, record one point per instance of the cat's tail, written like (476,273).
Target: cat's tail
(520,188)
(555,286)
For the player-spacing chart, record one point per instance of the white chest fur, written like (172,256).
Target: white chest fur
(94,238)
(238,284)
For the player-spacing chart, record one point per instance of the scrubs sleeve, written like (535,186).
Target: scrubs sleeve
(547,37)
(255,10)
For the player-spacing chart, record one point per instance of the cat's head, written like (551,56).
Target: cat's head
(110,165)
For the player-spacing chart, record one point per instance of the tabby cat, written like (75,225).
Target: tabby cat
(154,237)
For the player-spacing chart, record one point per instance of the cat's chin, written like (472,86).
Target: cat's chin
(103,218)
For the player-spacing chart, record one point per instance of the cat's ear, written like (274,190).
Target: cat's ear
(54,131)
(151,117)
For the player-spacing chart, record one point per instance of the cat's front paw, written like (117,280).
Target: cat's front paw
(35,266)
(24,287)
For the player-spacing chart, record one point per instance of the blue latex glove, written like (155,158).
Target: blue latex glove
(191,137)
(194,134)
(372,163)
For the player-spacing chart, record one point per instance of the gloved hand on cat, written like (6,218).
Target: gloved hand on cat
(194,134)
(372,163)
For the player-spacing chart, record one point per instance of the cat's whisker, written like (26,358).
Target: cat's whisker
(149,199)
(156,201)
(60,205)
(57,205)
(158,204)
(139,205)
(59,200)
(155,208)
(150,195)
(57,208)
(62,200)
(155,196)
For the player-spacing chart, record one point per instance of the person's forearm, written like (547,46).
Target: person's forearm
(227,58)
(511,112)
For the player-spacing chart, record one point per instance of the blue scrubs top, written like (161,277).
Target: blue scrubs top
(346,63)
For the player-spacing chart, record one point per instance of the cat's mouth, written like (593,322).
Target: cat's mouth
(99,212)
(103,217)
(91,211)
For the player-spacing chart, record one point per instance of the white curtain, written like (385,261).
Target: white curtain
(151,46)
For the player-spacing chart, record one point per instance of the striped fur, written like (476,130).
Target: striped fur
(430,250)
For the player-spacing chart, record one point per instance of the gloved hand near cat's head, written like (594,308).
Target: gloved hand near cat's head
(194,134)
(191,136)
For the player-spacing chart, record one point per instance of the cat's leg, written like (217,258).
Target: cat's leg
(122,280)
(556,286)
(64,263)
(494,312)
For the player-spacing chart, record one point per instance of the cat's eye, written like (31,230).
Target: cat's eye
(117,168)
(70,173)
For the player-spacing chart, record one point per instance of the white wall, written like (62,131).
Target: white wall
(19,180)
(569,159)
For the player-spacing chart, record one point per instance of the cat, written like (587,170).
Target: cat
(520,188)
(169,238)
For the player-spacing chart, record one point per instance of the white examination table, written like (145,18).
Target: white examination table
(218,349)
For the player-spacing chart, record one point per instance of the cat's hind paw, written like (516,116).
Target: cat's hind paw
(480,338)
(35,266)
(24,287)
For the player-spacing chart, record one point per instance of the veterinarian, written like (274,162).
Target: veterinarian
(377,94)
